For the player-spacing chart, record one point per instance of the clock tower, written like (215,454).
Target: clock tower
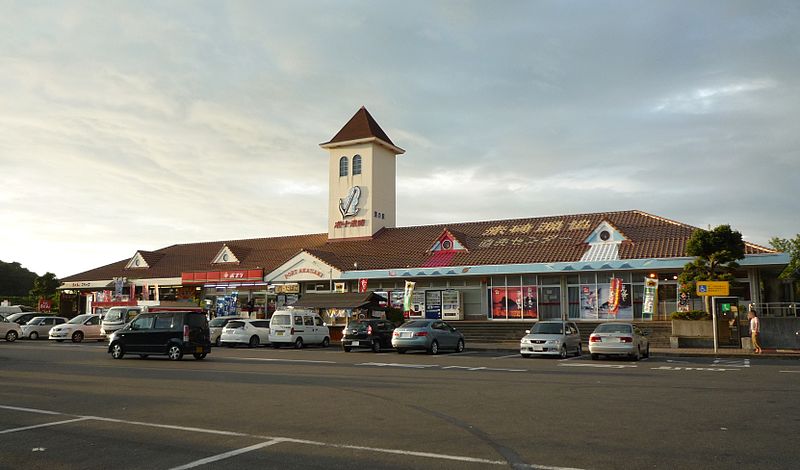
(362,179)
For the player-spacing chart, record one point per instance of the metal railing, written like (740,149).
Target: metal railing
(776,309)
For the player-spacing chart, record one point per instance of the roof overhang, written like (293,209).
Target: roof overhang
(303,267)
(366,140)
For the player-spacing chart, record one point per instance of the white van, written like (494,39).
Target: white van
(297,327)
(116,317)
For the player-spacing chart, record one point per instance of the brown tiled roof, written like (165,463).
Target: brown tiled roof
(361,126)
(519,241)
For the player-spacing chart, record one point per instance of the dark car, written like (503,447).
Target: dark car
(169,333)
(372,334)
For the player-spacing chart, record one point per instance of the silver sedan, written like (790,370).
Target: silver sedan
(623,339)
(428,335)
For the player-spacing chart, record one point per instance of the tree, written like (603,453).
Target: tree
(716,252)
(44,287)
(14,279)
(792,248)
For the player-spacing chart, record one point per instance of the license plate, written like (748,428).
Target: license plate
(611,340)
(355,343)
(406,334)
(198,349)
(537,348)
(279,333)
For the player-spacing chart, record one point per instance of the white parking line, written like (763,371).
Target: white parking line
(601,366)
(66,421)
(395,364)
(271,440)
(226,455)
(790,371)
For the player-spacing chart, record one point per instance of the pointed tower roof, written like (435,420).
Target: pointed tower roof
(362,127)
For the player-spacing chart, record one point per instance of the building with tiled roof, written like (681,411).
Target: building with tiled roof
(522,269)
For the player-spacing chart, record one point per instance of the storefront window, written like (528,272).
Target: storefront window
(549,303)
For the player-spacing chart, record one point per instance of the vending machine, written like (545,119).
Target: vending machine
(451,305)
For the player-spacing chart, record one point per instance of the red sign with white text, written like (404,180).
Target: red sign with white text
(240,275)
(362,286)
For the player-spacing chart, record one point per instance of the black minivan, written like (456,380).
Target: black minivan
(164,333)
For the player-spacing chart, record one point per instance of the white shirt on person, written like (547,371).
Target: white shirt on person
(754,325)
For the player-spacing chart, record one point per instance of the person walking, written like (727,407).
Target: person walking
(755,330)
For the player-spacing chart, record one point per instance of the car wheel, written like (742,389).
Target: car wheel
(346,348)
(77,337)
(199,356)
(143,356)
(11,336)
(595,357)
(117,351)
(579,351)
(563,353)
(638,354)
(253,342)
(298,343)
(34,335)
(174,352)
(434,349)
(647,351)
(401,351)
(376,346)
(326,342)
(460,346)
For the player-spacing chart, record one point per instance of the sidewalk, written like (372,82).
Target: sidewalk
(513,347)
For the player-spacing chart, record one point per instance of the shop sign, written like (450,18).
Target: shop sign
(350,223)
(292,288)
(84,284)
(348,205)
(362,286)
(713,288)
(338,287)
(433,304)
(44,305)
(298,271)
(222,276)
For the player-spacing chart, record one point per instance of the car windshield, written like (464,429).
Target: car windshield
(234,324)
(113,314)
(548,329)
(219,321)
(415,324)
(79,319)
(281,320)
(15,316)
(612,328)
(35,321)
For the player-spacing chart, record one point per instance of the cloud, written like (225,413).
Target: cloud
(710,99)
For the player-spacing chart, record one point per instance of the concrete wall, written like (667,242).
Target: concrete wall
(692,328)
(780,333)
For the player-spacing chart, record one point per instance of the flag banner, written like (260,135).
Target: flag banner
(650,298)
(407,293)
(615,289)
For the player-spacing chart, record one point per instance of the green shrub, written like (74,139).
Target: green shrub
(691,315)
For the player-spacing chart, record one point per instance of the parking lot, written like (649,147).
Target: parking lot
(72,406)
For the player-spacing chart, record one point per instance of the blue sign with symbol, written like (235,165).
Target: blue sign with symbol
(702,288)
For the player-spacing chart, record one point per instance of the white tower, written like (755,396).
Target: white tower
(362,179)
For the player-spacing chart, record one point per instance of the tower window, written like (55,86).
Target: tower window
(343,166)
(357,165)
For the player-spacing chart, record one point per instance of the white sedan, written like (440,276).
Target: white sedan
(245,331)
(79,328)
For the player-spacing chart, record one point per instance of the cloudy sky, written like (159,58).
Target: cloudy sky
(137,125)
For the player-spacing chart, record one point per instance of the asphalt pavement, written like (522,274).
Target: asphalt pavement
(71,406)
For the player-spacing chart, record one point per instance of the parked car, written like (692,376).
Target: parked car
(551,338)
(429,335)
(40,326)
(6,310)
(245,331)
(9,330)
(116,317)
(164,333)
(24,317)
(619,339)
(298,328)
(372,333)
(82,327)
(216,325)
